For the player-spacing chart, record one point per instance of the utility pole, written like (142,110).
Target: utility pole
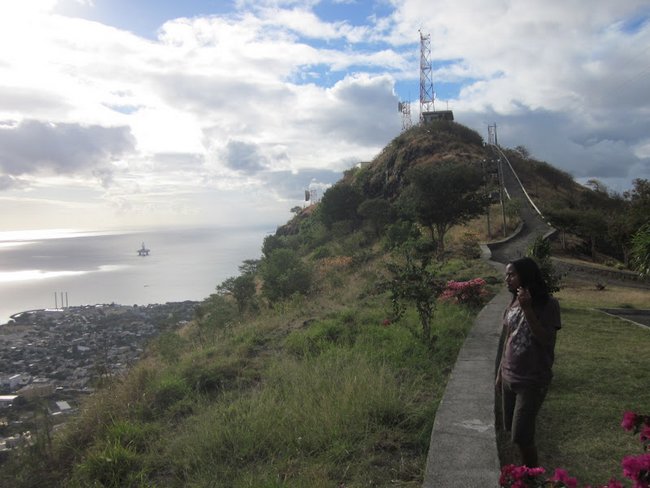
(503,204)
(493,141)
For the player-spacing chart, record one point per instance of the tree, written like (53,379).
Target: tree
(641,250)
(523,152)
(442,195)
(563,219)
(284,274)
(413,282)
(639,198)
(340,202)
(242,288)
(591,225)
(377,212)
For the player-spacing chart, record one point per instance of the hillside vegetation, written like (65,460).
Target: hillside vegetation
(322,363)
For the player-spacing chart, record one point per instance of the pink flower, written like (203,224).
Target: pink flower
(613,483)
(637,468)
(629,421)
(536,471)
(645,434)
(562,476)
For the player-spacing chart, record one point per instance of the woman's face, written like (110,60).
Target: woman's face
(512,278)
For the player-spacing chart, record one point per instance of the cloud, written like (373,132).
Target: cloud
(290,186)
(9,182)
(259,100)
(32,147)
(244,157)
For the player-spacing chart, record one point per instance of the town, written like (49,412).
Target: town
(50,359)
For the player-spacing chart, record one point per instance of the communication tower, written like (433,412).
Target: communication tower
(492,134)
(405,109)
(426,77)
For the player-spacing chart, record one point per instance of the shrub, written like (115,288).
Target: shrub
(113,466)
(469,246)
(540,251)
(284,274)
(471,293)
(401,232)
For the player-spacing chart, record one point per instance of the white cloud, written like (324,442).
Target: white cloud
(258,101)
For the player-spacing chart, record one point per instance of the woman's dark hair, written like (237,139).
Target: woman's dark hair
(530,277)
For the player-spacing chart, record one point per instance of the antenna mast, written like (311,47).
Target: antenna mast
(426,77)
(405,109)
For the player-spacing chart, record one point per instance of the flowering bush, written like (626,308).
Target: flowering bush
(636,424)
(636,468)
(472,292)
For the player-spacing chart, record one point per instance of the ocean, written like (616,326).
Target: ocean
(49,269)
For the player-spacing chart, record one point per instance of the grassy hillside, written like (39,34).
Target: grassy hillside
(299,372)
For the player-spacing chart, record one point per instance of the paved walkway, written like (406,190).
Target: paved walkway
(463,450)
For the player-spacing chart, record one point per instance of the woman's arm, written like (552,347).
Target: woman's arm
(542,333)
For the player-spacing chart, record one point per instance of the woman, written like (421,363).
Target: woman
(525,371)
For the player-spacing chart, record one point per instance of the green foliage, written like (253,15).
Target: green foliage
(332,409)
(215,313)
(169,346)
(137,437)
(456,130)
(322,252)
(442,195)
(377,212)
(166,391)
(412,282)
(284,274)
(540,250)
(340,202)
(320,336)
(112,466)
(556,177)
(512,208)
(242,288)
(641,250)
(564,219)
(469,246)
(209,375)
(401,232)
(275,241)
(249,266)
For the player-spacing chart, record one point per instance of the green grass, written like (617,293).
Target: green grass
(316,391)
(601,370)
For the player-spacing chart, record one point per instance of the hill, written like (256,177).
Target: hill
(320,364)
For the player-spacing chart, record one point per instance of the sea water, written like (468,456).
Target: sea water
(54,269)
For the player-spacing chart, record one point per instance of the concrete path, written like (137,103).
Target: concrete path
(463,450)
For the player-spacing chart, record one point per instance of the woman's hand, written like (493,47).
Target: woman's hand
(524,298)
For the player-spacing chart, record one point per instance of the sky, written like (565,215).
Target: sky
(131,113)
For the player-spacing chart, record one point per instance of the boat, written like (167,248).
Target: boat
(143,251)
